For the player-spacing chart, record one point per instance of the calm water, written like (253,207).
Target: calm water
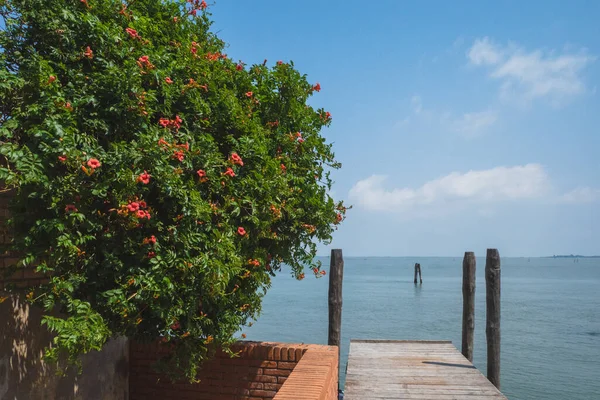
(550,316)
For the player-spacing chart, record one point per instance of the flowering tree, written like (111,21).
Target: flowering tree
(159,183)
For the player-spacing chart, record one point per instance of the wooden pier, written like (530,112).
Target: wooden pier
(396,369)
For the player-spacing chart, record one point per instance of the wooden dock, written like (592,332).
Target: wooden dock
(397,369)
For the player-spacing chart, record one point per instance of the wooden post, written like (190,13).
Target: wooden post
(336,276)
(418,271)
(492,326)
(468,289)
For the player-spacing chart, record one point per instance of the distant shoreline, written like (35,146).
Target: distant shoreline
(571,256)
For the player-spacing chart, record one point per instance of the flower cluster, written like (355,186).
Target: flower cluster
(215,56)
(197,5)
(171,123)
(145,65)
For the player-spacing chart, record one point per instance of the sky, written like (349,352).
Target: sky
(460,125)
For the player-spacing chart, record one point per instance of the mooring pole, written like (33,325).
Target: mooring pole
(418,271)
(468,290)
(336,276)
(492,327)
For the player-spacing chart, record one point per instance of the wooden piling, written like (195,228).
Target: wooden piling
(492,327)
(468,289)
(418,271)
(336,276)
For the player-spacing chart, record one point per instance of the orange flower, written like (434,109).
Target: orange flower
(239,67)
(201,173)
(243,336)
(323,272)
(51,79)
(249,94)
(70,208)
(132,32)
(150,240)
(283,168)
(179,155)
(241,231)
(144,178)
(255,263)
(317,87)
(300,277)
(88,53)
(236,159)
(168,80)
(62,158)
(203,5)
(229,172)
(93,163)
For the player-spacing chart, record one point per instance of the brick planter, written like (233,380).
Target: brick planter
(263,370)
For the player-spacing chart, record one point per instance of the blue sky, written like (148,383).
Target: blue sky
(460,125)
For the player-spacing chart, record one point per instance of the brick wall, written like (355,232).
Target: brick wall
(23,276)
(261,370)
(314,378)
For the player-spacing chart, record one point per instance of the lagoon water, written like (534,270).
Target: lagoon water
(550,316)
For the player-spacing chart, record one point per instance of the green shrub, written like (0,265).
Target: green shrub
(158,182)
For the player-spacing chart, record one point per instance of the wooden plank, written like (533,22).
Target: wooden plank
(434,370)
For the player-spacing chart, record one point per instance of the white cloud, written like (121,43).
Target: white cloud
(580,195)
(484,52)
(474,123)
(417,104)
(483,186)
(469,125)
(534,74)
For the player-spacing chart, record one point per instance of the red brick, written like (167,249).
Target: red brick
(255,385)
(277,353)
(286,365)
(292,354)
(263,393)
(272,386)
(268,364)
(265,378)
(277,372)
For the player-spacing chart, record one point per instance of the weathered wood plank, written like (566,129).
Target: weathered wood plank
(433,370)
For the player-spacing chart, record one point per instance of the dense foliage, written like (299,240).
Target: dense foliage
(158,182)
